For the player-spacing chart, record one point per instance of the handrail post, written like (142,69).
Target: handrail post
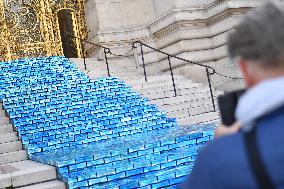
(172,74)
(83,54)
(106,51)
(210,87)
(143,61)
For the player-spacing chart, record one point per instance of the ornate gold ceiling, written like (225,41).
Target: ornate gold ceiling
(30,28)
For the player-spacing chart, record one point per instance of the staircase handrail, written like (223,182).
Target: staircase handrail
(106,50)
(174,56)
(209,70)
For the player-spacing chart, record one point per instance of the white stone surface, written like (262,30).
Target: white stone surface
(2,113)
(8,137)
(4,120)
(193,29)
(5,180)
(6,129)
(13,157)
(202,118)
(15,169)
(10,147)
(28,172)
(46,185)
(32,172)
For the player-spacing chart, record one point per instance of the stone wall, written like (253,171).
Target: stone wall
(193,29)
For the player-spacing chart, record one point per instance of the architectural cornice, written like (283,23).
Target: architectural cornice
(199,22)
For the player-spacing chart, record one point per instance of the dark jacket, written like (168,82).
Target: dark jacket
(223,164)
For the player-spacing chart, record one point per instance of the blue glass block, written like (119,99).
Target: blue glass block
(158,160)
(95,162)
(97,180)
(146,187)
(62,170)
(193,157)
(152,145)
(203,140)
(167,142)
(105,172)
(152,168)
(159,149)
(130,184)
(161,184)
(148,181)
(196,135)
(134,172)
(121,166)
(168,164)
(184,160)
(189,152)
(78,184)
(177,180)
(146,151)
(116,176)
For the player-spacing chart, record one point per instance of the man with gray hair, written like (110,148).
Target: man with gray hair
(250,154)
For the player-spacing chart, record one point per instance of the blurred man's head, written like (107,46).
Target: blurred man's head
(258,44)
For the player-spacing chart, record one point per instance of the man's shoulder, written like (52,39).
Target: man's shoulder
(228,150)
(219,163)
(228,143)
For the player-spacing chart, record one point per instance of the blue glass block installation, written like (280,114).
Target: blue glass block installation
(98,134)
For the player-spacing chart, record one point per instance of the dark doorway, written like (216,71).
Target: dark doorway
(66,26)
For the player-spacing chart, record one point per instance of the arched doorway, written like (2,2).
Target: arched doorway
(66,26)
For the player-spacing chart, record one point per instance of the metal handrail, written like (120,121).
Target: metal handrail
(106,50)
(209,70)
(173,56)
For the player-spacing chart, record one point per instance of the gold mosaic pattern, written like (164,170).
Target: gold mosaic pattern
(30,28)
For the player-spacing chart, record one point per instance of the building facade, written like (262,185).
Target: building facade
(196,30)
(191,29)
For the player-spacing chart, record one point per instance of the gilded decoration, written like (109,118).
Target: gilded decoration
(31,28)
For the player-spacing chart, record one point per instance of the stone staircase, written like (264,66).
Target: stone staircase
(98,134)
(192,105)
(16,171)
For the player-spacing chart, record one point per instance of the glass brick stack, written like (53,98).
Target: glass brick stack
(99,134)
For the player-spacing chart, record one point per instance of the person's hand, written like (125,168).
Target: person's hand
(223,130)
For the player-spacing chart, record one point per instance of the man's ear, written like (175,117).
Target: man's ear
(244,67)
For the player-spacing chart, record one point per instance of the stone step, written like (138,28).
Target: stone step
(8,137)
(13,157)
(192,101)
(209,117)
(152,79)
(6,129)
(181,114)
(163,86)
(2,113)
(186,113)
(198,98)
(112,67)
(25,173)
(180,89)
(169,85)
(55,184)
(4,121)
(180,92)
(125,76)
(167,88)
(10,147)
(193,107)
